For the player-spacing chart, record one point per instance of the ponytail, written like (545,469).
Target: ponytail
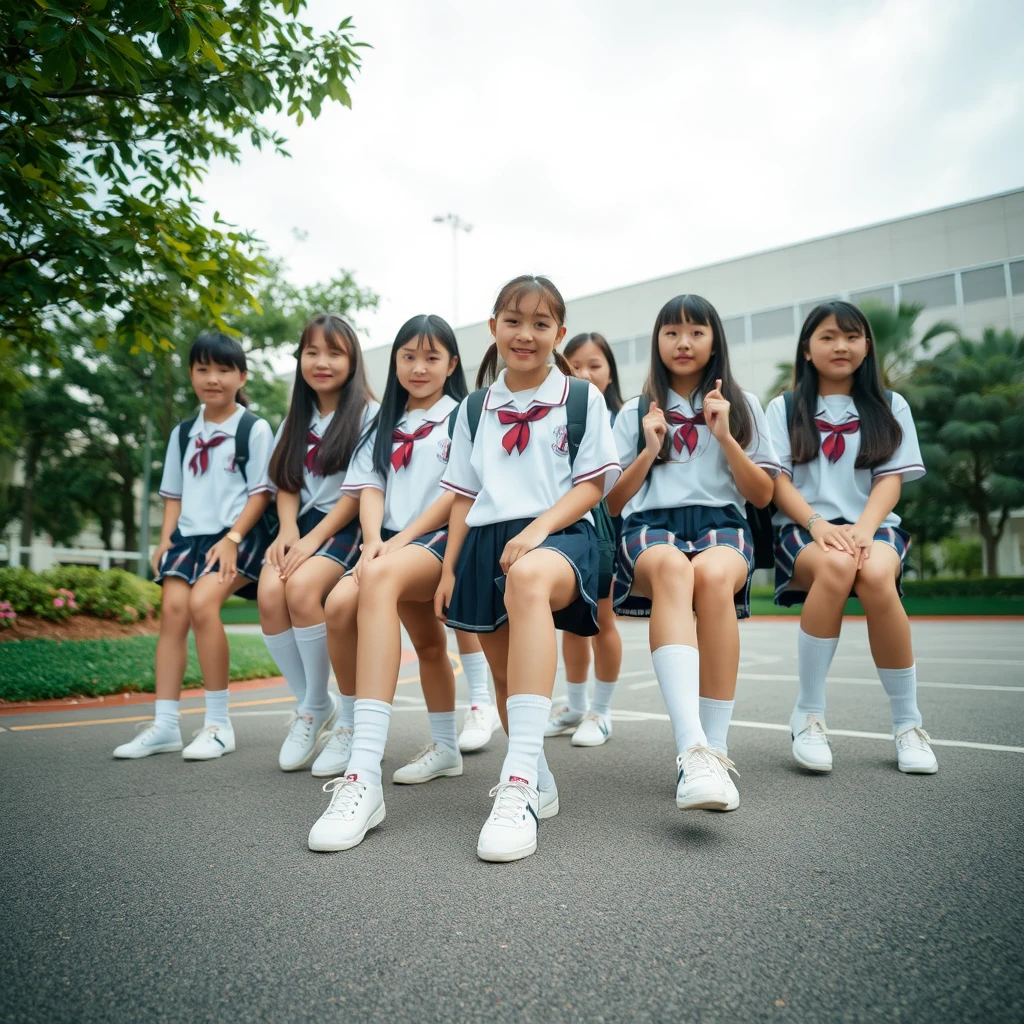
(242,399)
(488,372)
(562,364)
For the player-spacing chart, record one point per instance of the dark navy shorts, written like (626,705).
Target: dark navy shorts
(186,557)
(343,547)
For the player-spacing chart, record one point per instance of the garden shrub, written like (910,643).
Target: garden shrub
(66,590)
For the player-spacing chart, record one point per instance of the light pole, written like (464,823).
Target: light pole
(457,225)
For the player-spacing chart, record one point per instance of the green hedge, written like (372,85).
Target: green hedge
(46,669)
(67,590)
(977,586)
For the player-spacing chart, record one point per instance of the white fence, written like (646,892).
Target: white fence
(42,556)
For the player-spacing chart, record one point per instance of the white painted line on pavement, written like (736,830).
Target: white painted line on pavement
(942,661)
(852,681)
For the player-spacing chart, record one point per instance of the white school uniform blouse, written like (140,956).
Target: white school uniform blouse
(415,485)
(835,489)
(323,492)
(524,479)
(698,472)
(213,499)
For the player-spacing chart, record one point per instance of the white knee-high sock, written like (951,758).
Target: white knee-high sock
(346,712)
(577,697)
(442,729)
(369,738)
(527,717)
(715,716)
(814,657)
(167,714)
(311,642)
(678,670)
(217,708)
(602,702)
(901,686)
(475,668)
(285,653)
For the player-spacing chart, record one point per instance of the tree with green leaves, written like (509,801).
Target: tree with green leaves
(970,399)
(110,111)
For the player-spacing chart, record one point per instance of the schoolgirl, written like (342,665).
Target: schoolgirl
(846,446)
(319,534)
(531,457)
(591,358)
(215,489)
(404,517)
(694,449)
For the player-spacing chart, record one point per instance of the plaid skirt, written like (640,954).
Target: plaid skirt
(343,547)
(690,529)
(186,558)
(435,542)
(478,600)
(791,539)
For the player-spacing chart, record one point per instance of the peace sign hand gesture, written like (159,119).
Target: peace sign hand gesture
(716,412)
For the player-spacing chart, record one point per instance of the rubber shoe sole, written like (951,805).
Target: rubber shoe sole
(549,810)
(930,770)
(506,856)
(445,773)
(702,802)
(163,748)
(327,846)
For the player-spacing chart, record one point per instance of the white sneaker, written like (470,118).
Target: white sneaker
(355,808)
(548,800)
(593,731)
(562,721)
(913,754)
(510,832)
(300,744)
(152,739)
(810,745)
(702,778)
(337,752)
(478,726)
(431,762)
(211,741)
(731,792)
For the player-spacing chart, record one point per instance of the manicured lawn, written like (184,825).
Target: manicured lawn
(44,669)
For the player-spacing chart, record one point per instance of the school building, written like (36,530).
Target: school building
(963,263)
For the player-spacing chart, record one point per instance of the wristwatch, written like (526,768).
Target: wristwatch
(236,537)
(807,526)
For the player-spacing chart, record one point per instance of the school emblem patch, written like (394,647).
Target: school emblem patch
(444,449)
(561,442)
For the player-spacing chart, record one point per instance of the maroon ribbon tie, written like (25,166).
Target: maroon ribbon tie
(312,461)
(519,436)
(200,462)
(402,455)
(835,444)
(687,432)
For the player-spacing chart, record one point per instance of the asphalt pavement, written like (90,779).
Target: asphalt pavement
(160,890)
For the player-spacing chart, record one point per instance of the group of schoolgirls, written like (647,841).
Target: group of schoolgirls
(540,502)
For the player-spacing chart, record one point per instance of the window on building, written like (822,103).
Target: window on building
(932,291)
(806,307)
(1017,277)
(623,351)
(772,323)
(987,283)
(882,295)
(735,330)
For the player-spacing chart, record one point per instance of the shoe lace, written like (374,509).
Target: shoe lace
(592,716)
(557,711)
(815,728)
(346,794)
(338,737)
(430,748)
(915,736)
(474,719)
(700,760)
(300,727)
(210,729)
(512,798)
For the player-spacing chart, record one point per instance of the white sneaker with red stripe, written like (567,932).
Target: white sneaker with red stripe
(478,726)
(355,808)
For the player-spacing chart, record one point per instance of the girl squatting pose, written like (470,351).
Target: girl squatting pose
(319,532)
(215,490)
(690,462)
(591,358)
(845,446)
(531,456)
(404,516)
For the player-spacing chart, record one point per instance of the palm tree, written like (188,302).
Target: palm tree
(895,345)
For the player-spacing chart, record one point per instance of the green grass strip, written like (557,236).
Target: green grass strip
(46,669)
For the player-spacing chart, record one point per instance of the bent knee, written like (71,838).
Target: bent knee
(837,571)
(300,595)
(874,580)
(379,576)
(526,580)
(713,579)
(341,604)
(670,571)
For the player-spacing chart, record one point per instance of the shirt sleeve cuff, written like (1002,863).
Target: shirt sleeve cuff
(456,489)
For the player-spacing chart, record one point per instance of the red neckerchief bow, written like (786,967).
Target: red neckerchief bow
(687,432)
(402,455)
(200,462)
(519,436)
(312,461)
(834,445)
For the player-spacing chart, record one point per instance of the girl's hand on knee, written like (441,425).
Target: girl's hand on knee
(224,554)
(828,536)
(395,544)
(862,541)
(158,556)
(370,550)
(530,538)
(297,554)
(443,594)
(279,549)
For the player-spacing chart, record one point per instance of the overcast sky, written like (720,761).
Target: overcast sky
(606,143)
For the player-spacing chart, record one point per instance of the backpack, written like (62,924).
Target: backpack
(269,519)
(758,519)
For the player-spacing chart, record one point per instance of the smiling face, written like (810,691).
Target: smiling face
(685,350)
(526,336)
(590,363)
(325,367)
(422,365)
(836,353)
(216,384)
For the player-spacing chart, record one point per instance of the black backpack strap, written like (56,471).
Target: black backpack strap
(643,407)
(245,425)
(787,397)
(474,408)
(576,414)
(184,427)
(453,418)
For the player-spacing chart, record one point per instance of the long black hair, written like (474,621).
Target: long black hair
(511,297)
(692,309)
(344,431)
(880,433)
(612,393)
(433,332)
(220,348)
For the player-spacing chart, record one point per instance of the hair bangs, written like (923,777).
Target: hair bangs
(337,334)
(217,347)
(518,290)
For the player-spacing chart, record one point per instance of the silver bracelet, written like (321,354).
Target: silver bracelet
(810,522)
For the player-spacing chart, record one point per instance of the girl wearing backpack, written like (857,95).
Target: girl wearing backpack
(404,513)
(215,489)
(531,457)
(694,450)
(591,358)
(319,533)
(845,447)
